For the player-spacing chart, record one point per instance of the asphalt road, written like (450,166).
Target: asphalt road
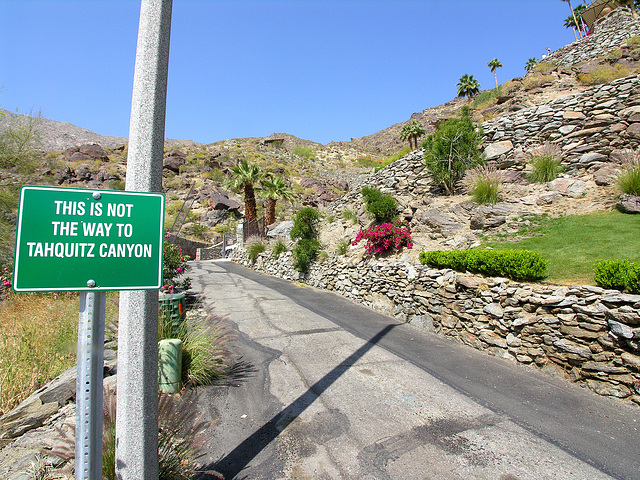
(328,389)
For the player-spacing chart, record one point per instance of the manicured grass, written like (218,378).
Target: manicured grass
(573,244)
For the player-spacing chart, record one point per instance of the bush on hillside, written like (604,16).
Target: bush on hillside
(484,184)
(514,264)
(451,150)
(305,231)
(381,238)
(381,206)
(546,162)
(629,179)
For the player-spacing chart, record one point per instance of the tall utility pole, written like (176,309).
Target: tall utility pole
(137,407)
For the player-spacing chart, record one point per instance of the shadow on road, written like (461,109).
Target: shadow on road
(233,463)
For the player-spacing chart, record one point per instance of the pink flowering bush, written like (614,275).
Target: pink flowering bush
(381,238)
(6,277)
(174,265)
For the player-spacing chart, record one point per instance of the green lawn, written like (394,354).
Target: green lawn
(573,244)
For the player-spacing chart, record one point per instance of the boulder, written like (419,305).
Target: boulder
(494,150)
(628,203)
(173,160)
(282,229)
(606,175)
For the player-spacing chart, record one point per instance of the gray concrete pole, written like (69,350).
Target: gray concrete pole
(137,407)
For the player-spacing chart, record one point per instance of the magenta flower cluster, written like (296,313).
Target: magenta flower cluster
(381,238)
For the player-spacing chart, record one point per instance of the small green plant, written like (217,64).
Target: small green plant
(304,151)
(611,274)
(350,216)
(278,247)
(342,247)
(197,230)
(322,256)
(381,206)
(255,246)
(330,218)
(546,162)
(514,264)
(484,183)
(483,99)
(629,180)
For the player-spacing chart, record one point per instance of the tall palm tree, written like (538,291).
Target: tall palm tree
(530,64)
(570,23)
(468,86)
(574,15)
(493,64)
(405,134)
(244,177)
(275,188)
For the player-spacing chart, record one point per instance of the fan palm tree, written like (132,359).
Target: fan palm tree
(573,14)
(274,188)
(570,23)
(412,132)
(468,86)
(493,65)
(243,178)
(530,64)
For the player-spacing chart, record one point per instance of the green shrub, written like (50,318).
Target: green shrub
(342,247)
(514,264)
(278,247)
(350,216)
(305,152)
(197,230)
(305,252)
(629,180)
(486,96)
(451,150)
(611,274)
(546,162)
(484,184)
(381,206)
(305,224)
(633,277)
(255,247)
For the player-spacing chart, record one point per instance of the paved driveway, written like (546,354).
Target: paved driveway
(332,390)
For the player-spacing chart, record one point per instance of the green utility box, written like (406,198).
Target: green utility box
(169,365)
(172,311)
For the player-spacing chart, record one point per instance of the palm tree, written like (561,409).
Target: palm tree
(574,15)
(468,86)
(530,64)
(493,64)
(570,23)
(412,132)
(274,188)
(244,176)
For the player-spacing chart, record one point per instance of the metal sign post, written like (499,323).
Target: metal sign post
(89,386)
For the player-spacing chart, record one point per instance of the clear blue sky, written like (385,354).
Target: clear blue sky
(323,70)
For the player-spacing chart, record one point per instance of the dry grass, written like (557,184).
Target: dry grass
(38,337)
(534,81)
(604,74)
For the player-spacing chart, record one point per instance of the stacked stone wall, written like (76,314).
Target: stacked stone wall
(597,122)
(609,33)
(590,334)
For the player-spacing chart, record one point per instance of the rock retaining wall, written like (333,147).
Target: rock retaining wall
(590,334)
(609,33)
(587,126)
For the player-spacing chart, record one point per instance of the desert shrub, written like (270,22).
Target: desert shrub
(381,238)
(342,247)
(509,87)
(305,152)
(534,81)
(255,246)
(368,162)
(451,150)
(381,206)
(544,67)
(20,144)
(278,247)
(629,179)
(633,40)
(611,274)
(484,184)
(514,264)
(197,230)
(546,162)
(322,256)
(305,232)
(604,73)
(486,99)
(305,252)
(350,216)
(305,224)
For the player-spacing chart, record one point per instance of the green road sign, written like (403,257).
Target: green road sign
(70,239)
